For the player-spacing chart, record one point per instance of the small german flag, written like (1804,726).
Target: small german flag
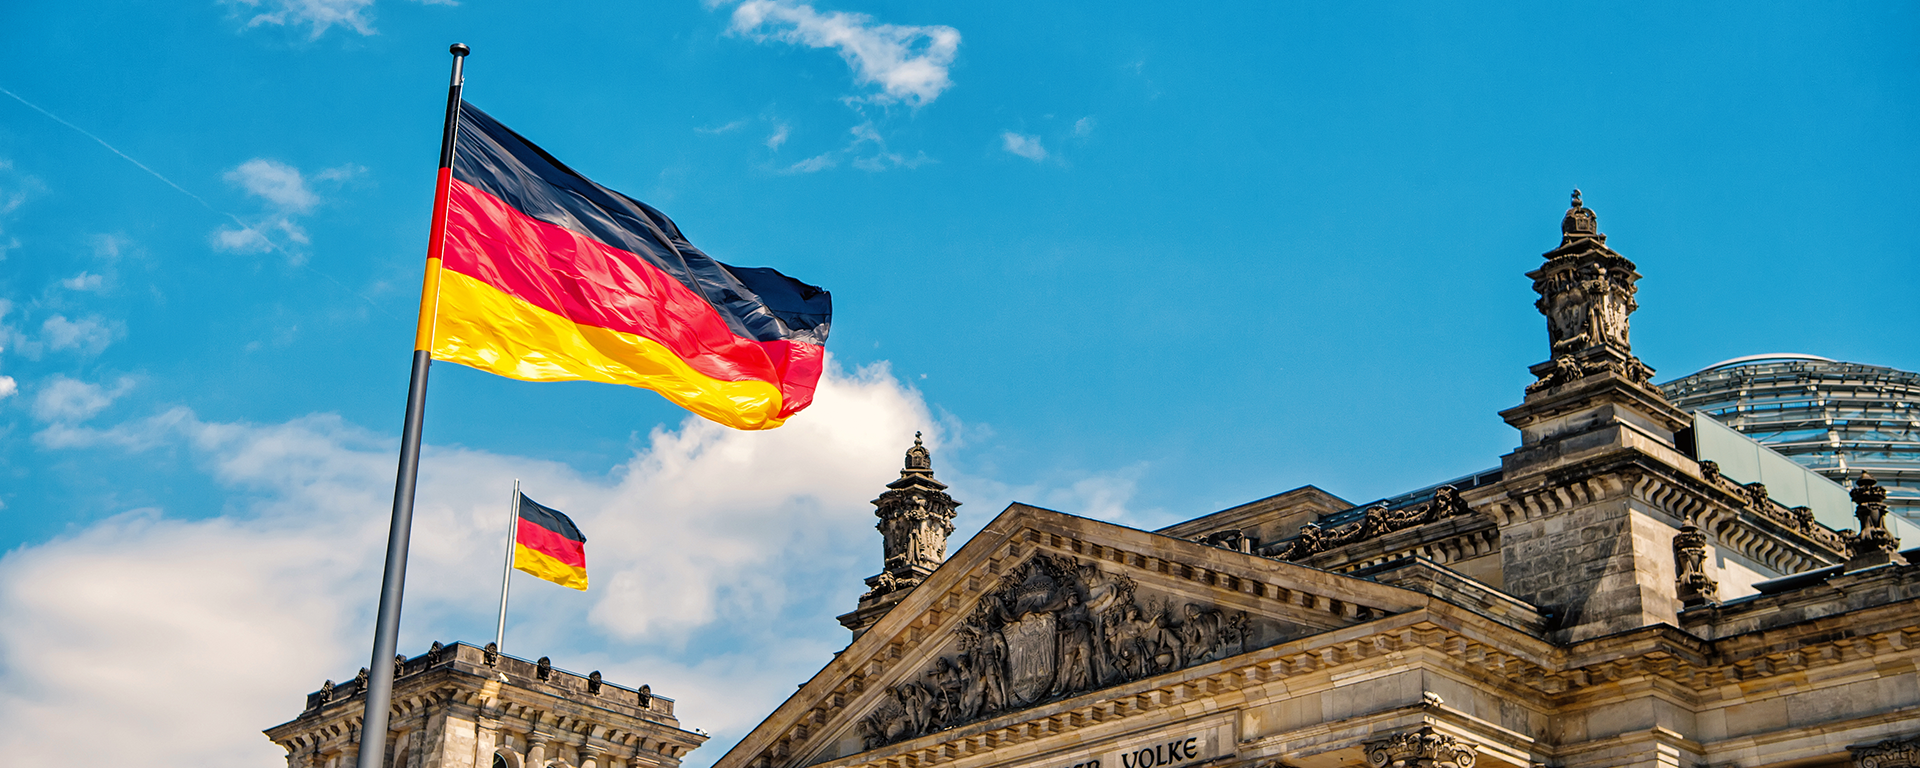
(546,544)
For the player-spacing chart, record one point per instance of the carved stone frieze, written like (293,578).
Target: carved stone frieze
(1892,753)
(1055,628)
(1379,520)
(1424,748)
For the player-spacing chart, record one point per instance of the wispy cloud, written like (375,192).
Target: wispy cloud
(65,400)
(277,182)
(15,189)
(287,195)
(1083,127)
(89,335)
(320,15)
(723,129)
(778,137)
(868,152)
(909,63)
(85,281)
(1023,145)
(816,163)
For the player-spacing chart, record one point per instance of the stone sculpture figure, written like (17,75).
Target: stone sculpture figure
(1874,545)
(1056,628)
(1202,633)
(1690,559)
(1076,648)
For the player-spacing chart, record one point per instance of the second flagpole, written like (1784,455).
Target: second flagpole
(506,569)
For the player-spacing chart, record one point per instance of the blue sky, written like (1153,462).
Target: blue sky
(1123,260)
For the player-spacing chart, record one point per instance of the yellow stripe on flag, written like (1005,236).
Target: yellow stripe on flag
(545,566)
(483,327)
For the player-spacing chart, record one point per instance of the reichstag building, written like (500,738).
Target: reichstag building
(1635,584)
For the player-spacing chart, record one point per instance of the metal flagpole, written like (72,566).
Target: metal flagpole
(506,569)
(386,632)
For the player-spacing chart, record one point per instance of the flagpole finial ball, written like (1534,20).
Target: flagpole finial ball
(458,49)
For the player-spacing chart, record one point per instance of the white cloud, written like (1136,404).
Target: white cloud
(15,189)
(89,335)
(1083,126)
(8,387)
(696,583)
(1023,145)
(779,136)
(819,162)
(85,281)
(109,246)
(724,129)
(321,15)
(909,63)
(287,194)
(277,182)
(65,400)
(346,172)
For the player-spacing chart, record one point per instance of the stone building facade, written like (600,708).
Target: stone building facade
(458,706)
(1601,598)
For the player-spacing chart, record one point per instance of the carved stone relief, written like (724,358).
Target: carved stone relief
(1056,628)
(1378,520)
(1874,544)
(1690,561)
(1424,748)
(1892,753)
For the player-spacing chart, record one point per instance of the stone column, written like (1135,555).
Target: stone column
(537,749)
(592,756)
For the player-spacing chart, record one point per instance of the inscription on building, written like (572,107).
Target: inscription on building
(1163,751)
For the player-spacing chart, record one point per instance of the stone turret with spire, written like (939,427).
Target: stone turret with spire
(1593,549)
(916,516)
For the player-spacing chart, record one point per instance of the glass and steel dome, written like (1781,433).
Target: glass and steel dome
(1836,418)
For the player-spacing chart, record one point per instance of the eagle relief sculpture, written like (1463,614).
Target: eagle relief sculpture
(1055,628)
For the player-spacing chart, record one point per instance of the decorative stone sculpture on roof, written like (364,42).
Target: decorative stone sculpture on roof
(1874,544)
(916,516)
(1378,520)
(1586,293)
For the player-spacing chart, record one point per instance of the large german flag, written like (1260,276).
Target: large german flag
(548,545)
(544,275)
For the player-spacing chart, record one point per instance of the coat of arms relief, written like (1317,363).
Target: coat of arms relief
(1055,628)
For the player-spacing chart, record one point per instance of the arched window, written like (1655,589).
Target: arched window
(500,762)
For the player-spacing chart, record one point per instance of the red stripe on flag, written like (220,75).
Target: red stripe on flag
(551,544)
(589,282)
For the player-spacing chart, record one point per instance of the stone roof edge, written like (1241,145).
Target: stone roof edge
(449,677)
(1225,517)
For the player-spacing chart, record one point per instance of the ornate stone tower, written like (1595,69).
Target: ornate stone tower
(1586,291)
(1592,546)
(458,706)
(916,515)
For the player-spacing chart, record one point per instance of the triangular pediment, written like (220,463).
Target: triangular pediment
(1043,608)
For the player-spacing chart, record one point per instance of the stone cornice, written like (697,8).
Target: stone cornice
(459,678)
(1723,508)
